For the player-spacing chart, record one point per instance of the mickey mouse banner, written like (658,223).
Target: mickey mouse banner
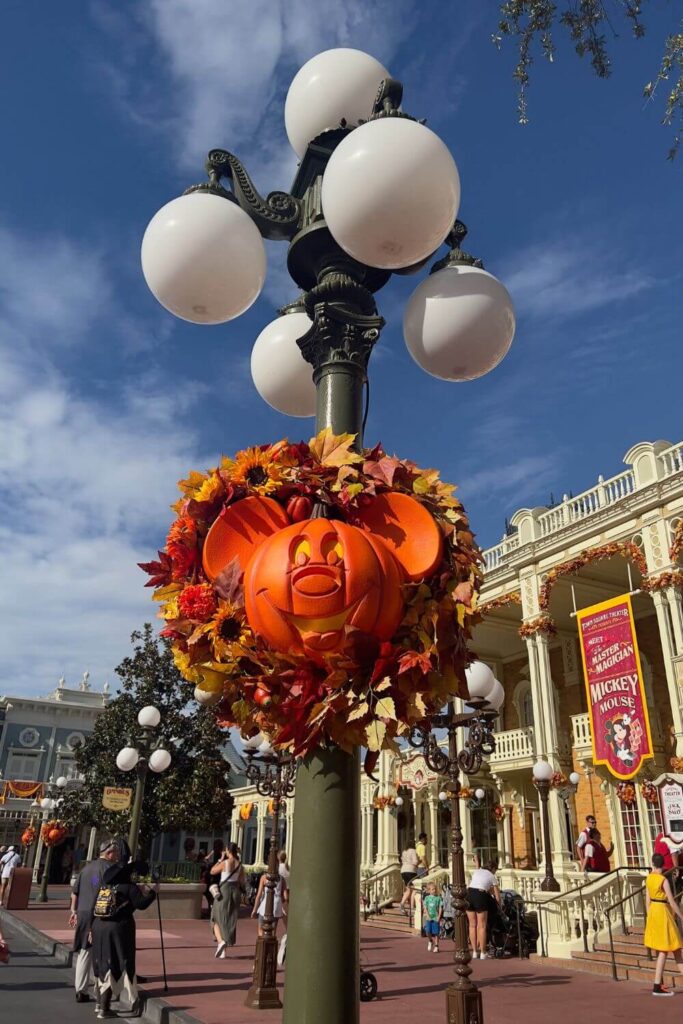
(617,706)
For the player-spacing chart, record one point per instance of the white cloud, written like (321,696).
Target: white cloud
(566,277)
(85,481)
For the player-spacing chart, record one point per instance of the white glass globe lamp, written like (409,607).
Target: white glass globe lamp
(480,794)
(399,801)
(127,758)
(496,695)
(203,258)
(265,748)
(207,698)
(47,804)
(335,85)
(542,771)
(280,373)
(149,717)
(443,796)
(62,782)
(391,192)
(575,778)
(480,680)
(159,760)
(254,742)
(459,323)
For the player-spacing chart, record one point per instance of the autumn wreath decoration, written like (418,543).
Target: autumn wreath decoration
(649,792)
(558,780)
(28,836)
(574,565)
(319,594)
(626,792)
(541,624)
(499,812)
(677,542)
(53,833)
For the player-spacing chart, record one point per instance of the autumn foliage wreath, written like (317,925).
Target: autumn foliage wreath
(369,687)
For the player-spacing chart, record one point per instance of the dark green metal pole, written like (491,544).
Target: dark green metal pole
(134,831)
(42,896)
(322,982)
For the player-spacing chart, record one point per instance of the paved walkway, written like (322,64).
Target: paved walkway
(411,981)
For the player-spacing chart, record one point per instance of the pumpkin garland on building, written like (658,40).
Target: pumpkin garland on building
(319,594)
(53,833)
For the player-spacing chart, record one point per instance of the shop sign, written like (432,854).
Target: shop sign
(116,798)
(415,773)
(671,803)
(617,706)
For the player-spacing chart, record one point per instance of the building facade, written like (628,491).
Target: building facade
(612,539)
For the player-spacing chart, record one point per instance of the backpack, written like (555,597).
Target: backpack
(108,903)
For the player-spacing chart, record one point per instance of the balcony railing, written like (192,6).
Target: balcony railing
(581,732)
(514,748)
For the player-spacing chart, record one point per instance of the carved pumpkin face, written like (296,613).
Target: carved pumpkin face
(306,584)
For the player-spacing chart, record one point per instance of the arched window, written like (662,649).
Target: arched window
(524,704)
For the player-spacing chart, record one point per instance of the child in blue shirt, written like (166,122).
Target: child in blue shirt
(433,909)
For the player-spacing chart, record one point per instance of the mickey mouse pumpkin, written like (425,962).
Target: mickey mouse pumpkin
(307,585)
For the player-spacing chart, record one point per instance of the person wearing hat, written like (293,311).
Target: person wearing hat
(8,863)
(82,912)
(113,938)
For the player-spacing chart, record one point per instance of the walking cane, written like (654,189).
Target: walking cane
(155,878)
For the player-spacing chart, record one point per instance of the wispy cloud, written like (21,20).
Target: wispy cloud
(564,277)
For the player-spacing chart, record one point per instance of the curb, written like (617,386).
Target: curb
(154,1010)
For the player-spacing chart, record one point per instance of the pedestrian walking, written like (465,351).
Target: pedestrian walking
(409,865)
(423,859)
(483,896)
(113,936)
(210,861)
(8,864)
(595,855)
(82,911)
(279,902)
(227,901)
(433,907)
(661,934)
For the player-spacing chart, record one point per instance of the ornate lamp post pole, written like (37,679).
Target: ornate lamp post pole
(273,775)
(147,754)
(375,193)
(48,805)
(463,998)
(543,773)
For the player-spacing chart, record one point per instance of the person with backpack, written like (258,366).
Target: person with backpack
(225,909)
(81,914)
(113,935)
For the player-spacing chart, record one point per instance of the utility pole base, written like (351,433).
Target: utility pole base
(263,994)
(463,1006)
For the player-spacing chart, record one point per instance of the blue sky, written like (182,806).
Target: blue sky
(106,400)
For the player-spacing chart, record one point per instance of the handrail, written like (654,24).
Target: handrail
(366,883)
(542,905)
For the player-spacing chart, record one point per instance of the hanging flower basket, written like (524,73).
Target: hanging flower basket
(649,792)
(499,812)
(380,803)
(388,644)
(626,792)
(53,833)
(558,780)
(466,793)
(28,836)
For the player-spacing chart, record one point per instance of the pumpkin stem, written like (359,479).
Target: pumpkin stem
(321,510)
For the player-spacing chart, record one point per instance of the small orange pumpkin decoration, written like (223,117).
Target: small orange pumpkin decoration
(308,584)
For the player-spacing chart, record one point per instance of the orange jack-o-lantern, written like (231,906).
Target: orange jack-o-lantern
(307,584)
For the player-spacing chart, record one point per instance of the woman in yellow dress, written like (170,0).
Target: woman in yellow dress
(661,933)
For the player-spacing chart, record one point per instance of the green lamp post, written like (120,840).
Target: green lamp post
(48,805)
(145,755)
(376,192)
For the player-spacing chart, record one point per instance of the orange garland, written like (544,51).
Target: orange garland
(574,565)
(677,543)
(514,597)
(673,578)
(53,833)
(542,624)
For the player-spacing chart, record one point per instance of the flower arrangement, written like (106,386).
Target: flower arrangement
(558,780)
(626,792)
(499,812)
(369,693)
(466,793)
(245,811)
(676,763)
(542,624)
(575,564)
(380,803)
(677,543)
(53,833)
(663,580)
(28,836)
(513,597)
(649,792)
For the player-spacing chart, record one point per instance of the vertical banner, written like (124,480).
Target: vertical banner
(617,706)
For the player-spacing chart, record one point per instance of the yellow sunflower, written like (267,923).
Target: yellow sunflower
(210,489)
(228,631)
(255,468)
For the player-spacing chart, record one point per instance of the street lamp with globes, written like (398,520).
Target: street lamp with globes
(145,755)
(48,805)
(376,193)
(542,773)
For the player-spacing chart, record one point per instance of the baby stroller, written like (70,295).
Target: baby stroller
(511,932)
(447,930)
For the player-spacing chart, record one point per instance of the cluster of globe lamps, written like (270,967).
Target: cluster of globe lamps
(390,196)
(159,759)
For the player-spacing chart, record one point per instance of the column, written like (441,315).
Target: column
(260,833)
(507,838)
(550,749)
(675,599)
(91,844)
(666,637)
(433,831)
(536,698)
(234,826)
(364,859)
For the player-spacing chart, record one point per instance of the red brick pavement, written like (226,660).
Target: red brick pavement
(411,980)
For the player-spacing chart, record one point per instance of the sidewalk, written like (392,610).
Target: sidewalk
(411,981)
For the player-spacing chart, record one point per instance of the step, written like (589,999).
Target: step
(642,975)
(389,925)
(622,959)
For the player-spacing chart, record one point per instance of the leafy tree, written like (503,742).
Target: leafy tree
(193,793)
(532,22)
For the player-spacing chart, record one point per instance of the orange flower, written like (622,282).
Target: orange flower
(197,602)
(183,531)
(259,470)
(227,630)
